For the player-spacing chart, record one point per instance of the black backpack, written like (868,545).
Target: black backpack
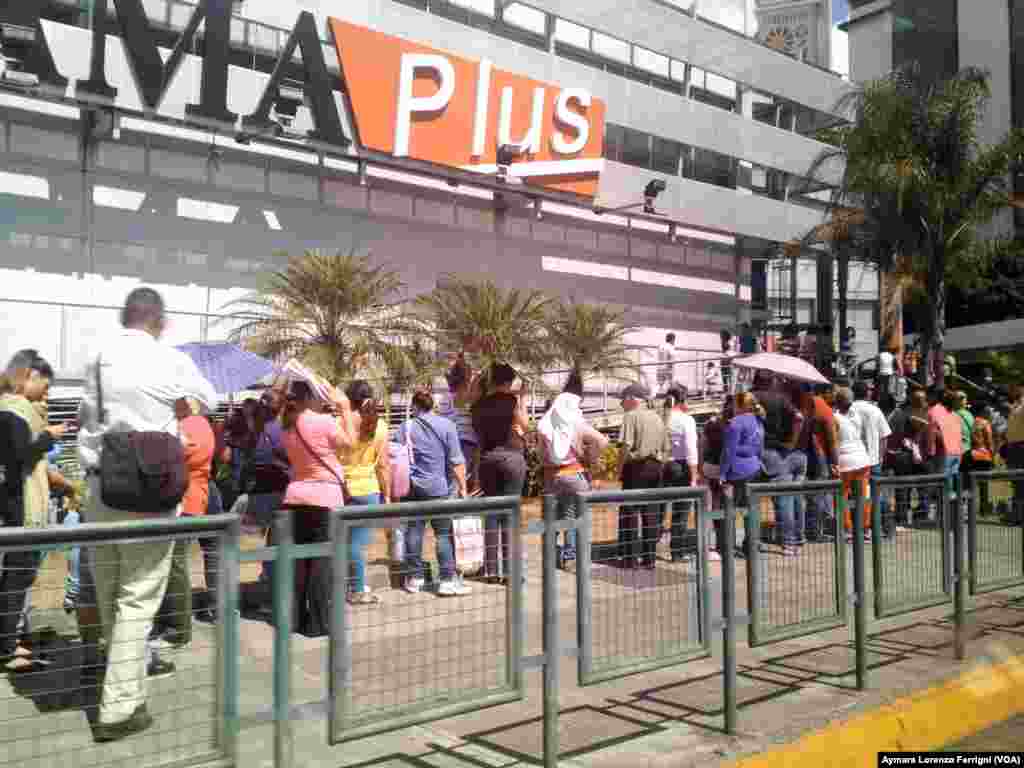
(140,471)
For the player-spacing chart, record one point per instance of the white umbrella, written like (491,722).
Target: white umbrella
(786,366)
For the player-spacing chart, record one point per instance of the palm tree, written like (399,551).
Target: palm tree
(589,338)
(332,311)
(494,323)
(920,183)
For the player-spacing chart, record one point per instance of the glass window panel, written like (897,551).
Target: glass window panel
(240,175)
(697,77)
(391,203)
(697,255)
(723,86)
(678,70)
(643,250)
(651,61)
(525,17)
(636,148)
(485,7)
(666,156)
(614,136)
(713,168)
(613,243)
(548,232)
(610,47)
(705,96)
(262,36)
(581,238)
(573,34)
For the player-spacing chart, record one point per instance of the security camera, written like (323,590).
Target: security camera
(654,188)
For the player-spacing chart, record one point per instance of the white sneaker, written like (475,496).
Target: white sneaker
(413,585)
(452,588)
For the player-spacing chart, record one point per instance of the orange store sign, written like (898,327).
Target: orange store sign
(410,100)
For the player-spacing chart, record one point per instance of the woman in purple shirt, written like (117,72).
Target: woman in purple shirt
(742,446)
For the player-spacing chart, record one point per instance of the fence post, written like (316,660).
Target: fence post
(229,650)
(729,614)
(551,641)
(957,507)
(283,587)
(860,608)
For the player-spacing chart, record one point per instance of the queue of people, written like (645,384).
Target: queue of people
(306,452)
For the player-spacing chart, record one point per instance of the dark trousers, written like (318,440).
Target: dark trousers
(969,465)
(174,618)
(502,473)
(17,574)
(677,475)
(311,612)
(636,475)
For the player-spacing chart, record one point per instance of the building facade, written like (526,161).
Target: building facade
(194,149)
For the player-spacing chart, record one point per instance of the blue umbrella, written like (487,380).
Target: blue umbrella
(228,367)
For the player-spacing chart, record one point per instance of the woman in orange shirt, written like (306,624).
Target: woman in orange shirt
(174,619)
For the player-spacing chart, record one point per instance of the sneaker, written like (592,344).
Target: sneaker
(413,585)
(140,720)
(159,668)
(452,588)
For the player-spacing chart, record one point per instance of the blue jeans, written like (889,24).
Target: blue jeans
(820,517)
(414,565)
(951,469)
(783,465)
(888,526)
(73,582)
(359,540)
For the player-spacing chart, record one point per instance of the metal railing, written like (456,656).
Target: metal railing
(427,659)
(795,589)
(633,616)
(70,681)
(995,541)
(642,603)
(912,567)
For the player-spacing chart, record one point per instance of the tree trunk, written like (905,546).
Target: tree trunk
(934,336)
(890,300)
(843,280)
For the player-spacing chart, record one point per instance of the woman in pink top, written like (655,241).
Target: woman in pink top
(312,441)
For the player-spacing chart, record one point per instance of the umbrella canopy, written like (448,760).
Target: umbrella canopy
(228,367)
(786,366)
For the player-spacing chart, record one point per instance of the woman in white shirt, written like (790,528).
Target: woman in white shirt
(568,444)
(684,467)
(854,460)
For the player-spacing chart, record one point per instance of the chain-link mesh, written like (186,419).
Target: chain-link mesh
(996,532)
(646,591)
(913,550)
(441,637)
(796,552)
(110,657)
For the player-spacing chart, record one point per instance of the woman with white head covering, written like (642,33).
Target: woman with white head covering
(568,444)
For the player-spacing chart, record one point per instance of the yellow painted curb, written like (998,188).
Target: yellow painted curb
(980,698)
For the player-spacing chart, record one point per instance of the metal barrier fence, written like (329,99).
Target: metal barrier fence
(420,659)
(642,603)
(69,680)
(633,616)
(912,567)
(995,541)
(795,588)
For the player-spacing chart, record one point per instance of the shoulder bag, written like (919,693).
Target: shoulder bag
(139,471)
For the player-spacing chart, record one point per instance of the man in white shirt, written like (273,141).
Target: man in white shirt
(142,380)
(683,468)
(666,360)
(875,430)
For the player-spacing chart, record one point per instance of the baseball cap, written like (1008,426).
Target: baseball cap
(634,392)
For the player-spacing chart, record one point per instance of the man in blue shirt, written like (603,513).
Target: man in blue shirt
(437,471)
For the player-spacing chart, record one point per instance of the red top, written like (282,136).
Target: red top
(198,455)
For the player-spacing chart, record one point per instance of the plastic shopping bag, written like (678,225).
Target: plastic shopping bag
(468,533)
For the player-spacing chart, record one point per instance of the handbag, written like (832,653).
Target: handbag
(139,471)
(400,463)
(346,497)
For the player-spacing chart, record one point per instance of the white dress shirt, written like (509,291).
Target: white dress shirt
(142,380)
(682,430)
